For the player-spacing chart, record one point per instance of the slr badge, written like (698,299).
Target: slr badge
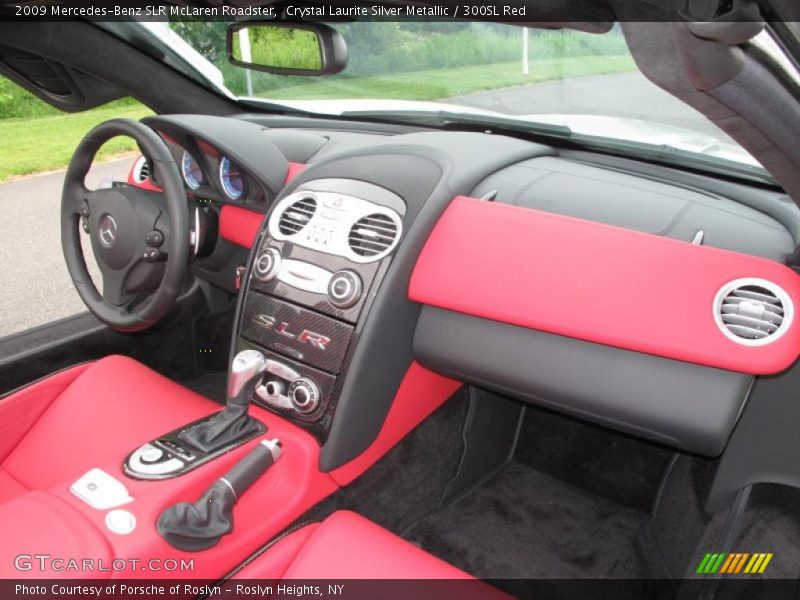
(316,340)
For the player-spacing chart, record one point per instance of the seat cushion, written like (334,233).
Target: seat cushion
(9,487)
(93,413)
(347,546)
(20,409)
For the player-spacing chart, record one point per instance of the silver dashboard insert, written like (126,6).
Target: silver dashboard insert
(753,311)
(346,226)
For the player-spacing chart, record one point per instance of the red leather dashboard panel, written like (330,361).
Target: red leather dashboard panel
(294,170)
(594,282)
(239,225)
(420,393)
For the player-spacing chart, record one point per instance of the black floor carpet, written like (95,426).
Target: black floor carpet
(525,524)
(616,466)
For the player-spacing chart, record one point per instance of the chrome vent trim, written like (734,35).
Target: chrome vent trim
(141,170)
(373,235)
(753,311)
(297,215)
(359,230)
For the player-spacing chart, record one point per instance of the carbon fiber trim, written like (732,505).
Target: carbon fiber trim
(295,332)
(330,262)
(324,381)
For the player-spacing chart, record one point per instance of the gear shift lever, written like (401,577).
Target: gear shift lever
(232,423)
(246,369)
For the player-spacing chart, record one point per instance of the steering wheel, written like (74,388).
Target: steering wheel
(140,238)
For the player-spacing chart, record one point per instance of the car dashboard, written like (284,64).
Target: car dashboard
(632,295)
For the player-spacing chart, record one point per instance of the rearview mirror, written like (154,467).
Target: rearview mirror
(287,48)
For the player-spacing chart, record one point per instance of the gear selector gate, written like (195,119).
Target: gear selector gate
(199,442)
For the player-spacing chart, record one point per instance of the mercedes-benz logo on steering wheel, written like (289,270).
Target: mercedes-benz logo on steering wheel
(107,230)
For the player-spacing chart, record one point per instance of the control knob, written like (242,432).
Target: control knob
(267,265)
(304,395)
(344,288)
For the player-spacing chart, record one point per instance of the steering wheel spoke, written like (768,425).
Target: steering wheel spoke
(114,291)
(130,233)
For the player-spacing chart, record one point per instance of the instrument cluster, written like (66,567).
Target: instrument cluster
(210,175)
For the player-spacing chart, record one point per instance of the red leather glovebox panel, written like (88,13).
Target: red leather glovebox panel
(594,282)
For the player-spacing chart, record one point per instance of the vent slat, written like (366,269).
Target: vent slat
(362,242)
(296,216)
(768,315)
(371,234)
(752,313)
(733,301)
(379,224)
(748,332)
(753,295)
(142,171)
(750,322)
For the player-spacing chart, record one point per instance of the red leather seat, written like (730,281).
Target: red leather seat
(346,546)
(54,430)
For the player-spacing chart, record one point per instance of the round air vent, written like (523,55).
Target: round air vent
(373,236)
(141,170)
(753,312)
(297,215)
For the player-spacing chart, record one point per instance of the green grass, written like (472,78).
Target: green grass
(46,143)
(439,84)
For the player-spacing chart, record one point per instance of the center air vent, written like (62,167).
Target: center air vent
(360,230)
(297,216)
(373,235)
(753,312)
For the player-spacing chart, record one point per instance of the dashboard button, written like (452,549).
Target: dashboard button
(151,254)
(120,521)
(334,202)
(152,455)
(154,238)
(345,288)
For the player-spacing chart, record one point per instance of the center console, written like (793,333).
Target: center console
(320,258)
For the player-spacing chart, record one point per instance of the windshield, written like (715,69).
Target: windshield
(586,83)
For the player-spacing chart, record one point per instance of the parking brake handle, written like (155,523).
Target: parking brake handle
(198,526)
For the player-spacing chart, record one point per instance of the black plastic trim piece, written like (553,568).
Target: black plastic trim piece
(765,445)
(691,407)
(173,438)
(490,438)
